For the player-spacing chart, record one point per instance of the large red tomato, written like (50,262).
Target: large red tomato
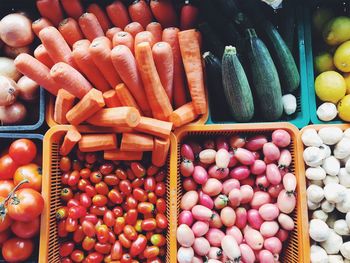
(31,172)
(6,221)
(7,167)
(22,151)
(26,229)
(4,236)
(6,186)
(17,249)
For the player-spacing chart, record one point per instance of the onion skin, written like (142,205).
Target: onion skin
(16,30)
(8,91)
(28,89)
(13,114)
(8,69)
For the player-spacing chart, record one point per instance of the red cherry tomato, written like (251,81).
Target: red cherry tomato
(162,221)
(71,224)
(139,194)
(74,178)
(65,164)
(90,190)
(82,184)
(6,186)
(112,237)
(124,241)
(131,217)
(138,169)
(130,232)
(77,212)
(17,249)
(64,178)
(76,165)
(102,188)
(118,211)
(88,228)
(152,170)
(88,243)
(149,224)
(161,206)
(91,157)
(115,196)
(8,167)
(103,248)
(85,200)
(66,249)
(102,234)
(106,168)
(91,218)
(62,213)
(119,225)
(98,210)
(99,200)
(26,229)
(66,260)
(109,218)
(160,189)
(78,235)
(160,176)
(150,184)
(95,177)
(152,198)
(158,240)
(116,251)
(125,187)
(72,202)
(151,252)
(111,180)
(138,182)
(126,258)
(137,226)
(131,203)
(138,246)
(145,208)
(121,174)
(85,173)
(61,229)
(94,258)
(22,151)
(77,256)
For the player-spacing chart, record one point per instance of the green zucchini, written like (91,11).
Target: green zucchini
(236,86)
(265,78)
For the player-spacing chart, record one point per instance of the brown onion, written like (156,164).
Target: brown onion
(8,69)
(28,89)
(13,114)
(8,91)
(16,30)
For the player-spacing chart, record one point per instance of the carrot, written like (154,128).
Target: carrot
(39,24)
(156,29)
(183,115)
(70,30)
(100,15)
(112,31)
(91,103)
(188,16)
(125,64)
(140,12)
(156,95)
(133,28)
(191,57)
(51,10)
(40,53)
(164,12)
(116,117)
(73,8)
(144,36)
(83,59)
(64,102)
(135,142)
(200,39)
(36,71)
(125,97)
(160,151)
(124,38)
(56,46)
(71,138)
(90,26)
(98,142)
(70,79)
(154,127)
(118,14)
(164,60)
(117,155)
(100,50)
(170,36)
(111,99)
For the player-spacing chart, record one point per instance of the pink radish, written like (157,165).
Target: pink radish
(281,138)
(273,244)
(247,193)
(267,161)
(185,255)
(201,213)
(237,141)
(201,246)
(248,181)
(240,172)
(286,222)
(269,212)
(187,152)
(236,233)
(241,217)
(274,190)
(247,253)
(265,256)
(254,219)
(214,236)
(228,216)
(185,217)
(196,148)
(233,161)
(189,200)
(209,144)
(260,198)
(218,173)
(222,143)
(231,249)
(207,156)
(197,260)
(230,184)
(222,158)
(220,201)
(261,182)
(285,159)
(271,151)
(273,174)
(244,156)
(205,200)
(200,228)
(282,235)
(254,239)
(289,182)
(215,221)
(186,168)
(184,235)
(256,143)
(212,187)
(257,155)
(200,175)
(269,228)
(286,202)
(215,253)
(213,261)
(189,184)
(235,197)
(258,167)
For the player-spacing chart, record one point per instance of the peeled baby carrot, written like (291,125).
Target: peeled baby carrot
(39,24)
(70,79)
(124,38)
(36,71)
(100,15)
(117,155)
(111,99)
(133,28)
(91,103)
(112,31)
(144,36)
(97,142)
(64,103)
(70,31)
(135,142)
(83,59)
(40,53)
(154,127)
(90,26)
(156,29)
(160,151)
(73,8)
(116,117)
(139,11)
(51,10)
(156,95)
(183,115)
(164,12)
(125,97)
(71,138)
(118,14)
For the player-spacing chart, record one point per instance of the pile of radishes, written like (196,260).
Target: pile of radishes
(237,194)
(327,155)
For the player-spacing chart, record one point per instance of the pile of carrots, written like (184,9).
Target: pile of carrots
(134,77)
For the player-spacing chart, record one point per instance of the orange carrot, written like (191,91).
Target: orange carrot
(156,95)
(125,63)
(73,8)
(90,26)
(98,142)
(160,151)
(40,53)
(117,155)
(116,117)
(70,79)
(125,97)
(191,57)
(71,138)
(51,10)
(170,36)
(64,103)
(118,14)
(124,38)
(139,11)
(100,50)
(156,29)
(83,59)
(36,71)
(183,115)
(135,142)
(154,127)
(56,46)
(111,99)
(144,36)
(112,31)
(133,28)
(39,24)
(163,58)
(70,31)
(91,103)
(101,16)
(164,12)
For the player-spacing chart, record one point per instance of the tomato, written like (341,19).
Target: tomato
(102,233)
(82,184)
(102,188)
(125,187)
(77,256)
(118,211)
(121,174)
(17,249)
(78,235)
(103,248)
(26,229)
(61,229)
(94,258)
(85,200)
(66,194)
(137,226)
(149,224)
(152,198)
(162,221)
(6,186)
(151,252)
(64,178)
(158,240)
(115,196)
(111,180)
(112,237)
(116,251)
(131,203)
(90,190)
(66,249)
(77,212)
(152,170)
(91,157)
(8,167)
(22,151)
(88,243)
(25,205)
(85,173)
(150,184)
(161,206)
(138,182)
(119,225)
(131,217)
(139,194)
(130,232)
(95,177)
(98,210)
(65,164)
(138,246)
(130,173)
(88,228)
(31,172)
(91,218)
(145,208)
(66,260)
(109,218)
(62,213)
(160,176)
(99,200)
(106,168)
(72,202)
(74,178)
(71,224)
(80,155)
(124,241)
(76,165)
(160,189)
(138,169)
(4,235)
(154,260)
(126,258)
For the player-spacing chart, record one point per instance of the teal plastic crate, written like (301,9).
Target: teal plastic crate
(301,117)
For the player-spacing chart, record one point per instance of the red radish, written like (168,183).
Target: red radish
(202,213)
(205,200)
(286,202)
(273,244)
(261,182)
(282,235)
(189,200)
(235,197)
(209,144)
(274,190)
(269,228)
(281,138)
(231,249)
(247,194)
(260,198)
(257,155)
(258,167)
(200,228)
(254,219)
(207,156)
(185,254)
(253,238)
(273,174)
(240,172)
(241,217)
(214,236)
(215,253)
(196,148)
(271,151)
(221,143)
(265,256)
(185,217)
(244,156)
(213,261)
(237,141)
(285,159)
(269,212)
(215,220)
(248,181)
(184,235)
(289,182)
(236,233)
(218,173)
(230,184)
(256,143)
(247,253)
(222,158)
(220,201)
(201,246)
(197,260)
(286,222)
(228,216)
(212,187)
(200,175)
(186,168)
(189,184)
(233,161)
(187,152)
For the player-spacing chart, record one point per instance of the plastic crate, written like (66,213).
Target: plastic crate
(296,249)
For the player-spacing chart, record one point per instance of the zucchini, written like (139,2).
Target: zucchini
(211,40)
(236,87)
(265,78)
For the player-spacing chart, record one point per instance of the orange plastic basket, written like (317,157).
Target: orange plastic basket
(296,248)
(51,189)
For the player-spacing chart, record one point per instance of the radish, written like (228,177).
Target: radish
(248,181)
(254,219)
(289,182)
(261,182)
(274,190)
(256,143)
(247,193)
(281,138)
(184,235)
(286,202)
(244,156)
(186,168)
(195,147)
(202,213)
(273,174)
(218,173)
(185,217)
(258,167)
(189,184)
(228,216)
(209,144)
(214,236)
(189,200)
(207,156)
(197,260)
(235,197)
(260,198)
(222,143)
(247,253)
(285,159)
(240,172)
(215,220)
(269,212)
(205,200)
(212,187)
(271,151)
(220,201)
(213,261)
(222,158)
(230,184)
(187,152)
(233,161)
(237,141)
(254,239)
(265,256)
(201,246)
(269,228)
(185,255)
(241,217)
(200,175)
(286,222)
(282,235)
(215,253)
(231,249)
(236,233)
(273,244)
(200,228)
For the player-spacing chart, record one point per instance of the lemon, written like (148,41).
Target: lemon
(337,31)
(330,86)
(347,81)
(344,108)
(323,62)
(342,57)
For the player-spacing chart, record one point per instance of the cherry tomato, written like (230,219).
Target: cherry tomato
(91,157)
(152,170)
(71,224)
(160,189)
(91,218)
(121,174)
(116,251)
(80,155)
(137,226)
(88,228)
(8,167)
(88,243)
(66,249)
(17,249)
(98,210)
(26,229)
(145,208)
(115,196)
(112,237)
(124,241)
(152,198)
(118,211)
(99,200)
(76,165)
(130,232)
(151,252)
(109,218)
(77,212)
(95,177)
(131,217)
(158,240)
(90,190)
(94,258)
(65,164)
(74,178)
(126,258)
(119,225)
(102,234)
(85,200)
(161,206)
(146,216)
(131,203)
(160,176)
(82,184)
(149,224)
(150,184)
(125,187)
(154,260)
(77,256)
(139,194)
(102,188)
(85,173)
(106,168)
(162,221)
(6,186)
(61,229)
(72,202)
(4,235)
(64,178)
(103,248)
(131,175)
(66,260)
(22,151)
(62,213)
(111,180)
(138,246)
(138,169)
(138,182)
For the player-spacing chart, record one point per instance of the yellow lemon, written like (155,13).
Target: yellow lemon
(337,31)
(342,57)
(330,86)
(324,62)
(347,81)
(344,108)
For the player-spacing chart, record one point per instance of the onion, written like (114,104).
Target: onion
(8,91)
(13,52)
(13,114)
(8,69)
